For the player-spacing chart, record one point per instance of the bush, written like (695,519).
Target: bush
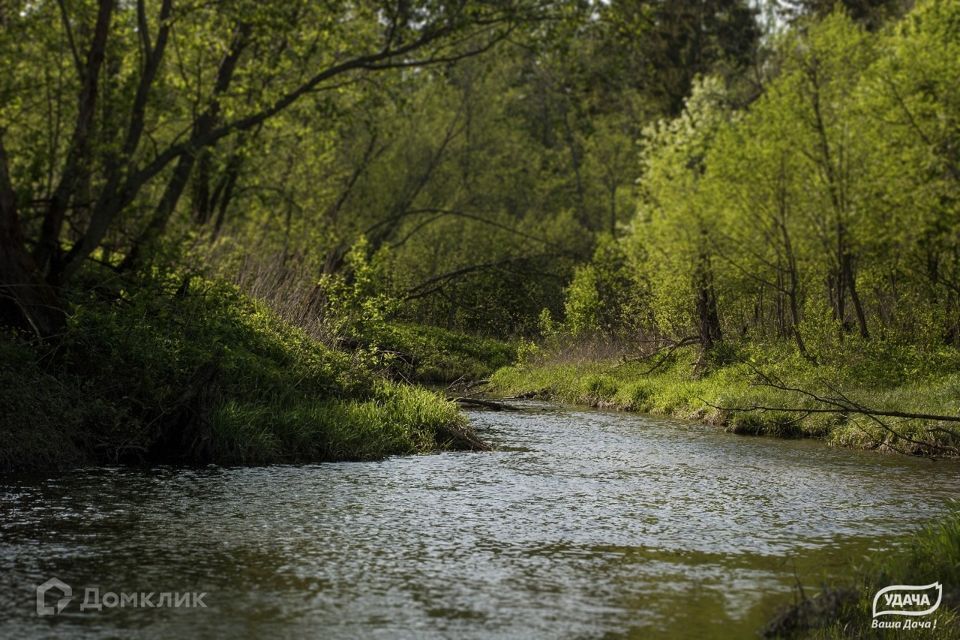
(167,368)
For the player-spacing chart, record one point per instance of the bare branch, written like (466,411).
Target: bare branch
(841,404)
(68,29)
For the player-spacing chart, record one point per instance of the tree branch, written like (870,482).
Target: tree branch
(842,404)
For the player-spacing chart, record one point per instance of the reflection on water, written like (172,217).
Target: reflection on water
(583,524)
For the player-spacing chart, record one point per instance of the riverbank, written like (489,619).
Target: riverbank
(170,369)
(844,609)
(740,379)
(435,356)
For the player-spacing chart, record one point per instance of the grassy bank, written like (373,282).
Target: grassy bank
(844,610)
(432,355)
(167,369)
(877,376)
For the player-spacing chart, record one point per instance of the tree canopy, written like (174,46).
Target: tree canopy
(681,170)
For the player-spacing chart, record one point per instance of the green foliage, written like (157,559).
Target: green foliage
(603,299)
(673,235)
(725,395)
(824,214)
(485,183)
(167,355)
(152,340)
(665,45)
(432,355)
(871,13)
(527,353)
(353,305)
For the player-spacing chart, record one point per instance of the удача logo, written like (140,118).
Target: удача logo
(907,600)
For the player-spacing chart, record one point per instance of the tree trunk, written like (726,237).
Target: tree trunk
(26,300)
(708,317)
(225,192)
(76,170)
(181,172)
(201,197)
(854,296)
(793,293)
(119,187)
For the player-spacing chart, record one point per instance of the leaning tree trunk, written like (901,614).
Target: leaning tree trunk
(26,300)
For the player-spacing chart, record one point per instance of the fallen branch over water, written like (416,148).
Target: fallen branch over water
(841,404)
(486,404)
(461,438)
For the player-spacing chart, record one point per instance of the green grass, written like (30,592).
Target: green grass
(396,420)
(432,355)
(917,383)
(152,370)
(844,610)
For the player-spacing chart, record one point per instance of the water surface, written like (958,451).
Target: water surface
(583,524)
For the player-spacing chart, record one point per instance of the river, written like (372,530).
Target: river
(582,524)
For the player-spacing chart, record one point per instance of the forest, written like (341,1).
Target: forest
(221,216)
(253,236)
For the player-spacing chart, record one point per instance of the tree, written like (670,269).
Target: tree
(820,75)
(753,186)
(664,45)
(872,14)
(673,227)
(140,153)
(911,97)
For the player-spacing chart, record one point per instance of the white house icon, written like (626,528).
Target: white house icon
(53,583)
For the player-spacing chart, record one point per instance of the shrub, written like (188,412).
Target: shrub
(170,368)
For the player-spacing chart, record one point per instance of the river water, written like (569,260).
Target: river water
(582,524)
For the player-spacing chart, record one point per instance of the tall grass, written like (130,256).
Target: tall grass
(287,284)
(722,395)
(425,354)
(176,369)
(396,420)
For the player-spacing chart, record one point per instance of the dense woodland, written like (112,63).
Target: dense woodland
(734,170)
(825,208)
(181,178)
